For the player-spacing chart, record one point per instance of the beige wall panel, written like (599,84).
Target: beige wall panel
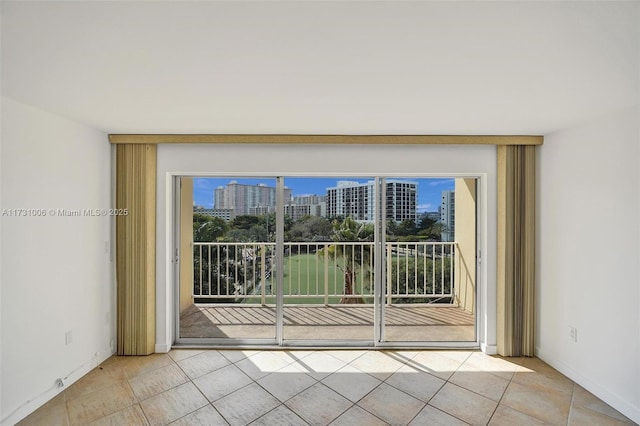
(465,232)
(186,243)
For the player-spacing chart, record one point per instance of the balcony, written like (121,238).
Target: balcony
(328,291)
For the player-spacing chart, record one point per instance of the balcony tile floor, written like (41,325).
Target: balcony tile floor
(351,387)
(404,322)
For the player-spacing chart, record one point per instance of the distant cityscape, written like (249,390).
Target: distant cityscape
(346,198)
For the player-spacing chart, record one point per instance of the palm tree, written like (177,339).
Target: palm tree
(353,257)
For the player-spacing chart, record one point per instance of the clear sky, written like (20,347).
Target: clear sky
(429,189)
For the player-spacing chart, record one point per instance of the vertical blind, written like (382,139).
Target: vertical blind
(516,250)
(136,248)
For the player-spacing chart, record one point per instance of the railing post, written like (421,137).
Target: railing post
(389,284)
(452,272)
(200,274)
(326,275)
(263,278)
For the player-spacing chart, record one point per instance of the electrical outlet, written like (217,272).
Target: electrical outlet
(68,337)
(573,334)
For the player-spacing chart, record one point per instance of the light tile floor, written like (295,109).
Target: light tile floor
(350,387)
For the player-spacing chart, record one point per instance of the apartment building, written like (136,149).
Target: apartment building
(243,199)
(357,199)
(307,205)
(448,215)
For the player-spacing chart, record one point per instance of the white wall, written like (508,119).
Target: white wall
(588,275)
(56,271)
(287,160)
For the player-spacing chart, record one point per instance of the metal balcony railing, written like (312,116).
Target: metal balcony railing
(323,272)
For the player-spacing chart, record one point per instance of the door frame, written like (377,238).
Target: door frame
(173,245)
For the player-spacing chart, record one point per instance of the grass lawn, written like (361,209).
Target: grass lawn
(304,274)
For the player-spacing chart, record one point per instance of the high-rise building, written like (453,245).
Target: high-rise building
(448,215)
(309,199)
(307,205)
(245,199)
(402,200)
(355,199)
(225,214)
(296,212)
(350,198)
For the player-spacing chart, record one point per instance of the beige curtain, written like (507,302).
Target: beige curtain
(136,247)
(516,250)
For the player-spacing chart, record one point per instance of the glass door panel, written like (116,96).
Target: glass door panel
(328,259)
(228,255)
(429,260)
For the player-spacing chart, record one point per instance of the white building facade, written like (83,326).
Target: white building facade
(357,200)
(448,215)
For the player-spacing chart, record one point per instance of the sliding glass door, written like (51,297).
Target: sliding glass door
(329,246)
(227,259)
(429,258)
(326,260)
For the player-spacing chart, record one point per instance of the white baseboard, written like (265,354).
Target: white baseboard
(162,349)
(33,404)
(624,406)
(104,355)
(489,349)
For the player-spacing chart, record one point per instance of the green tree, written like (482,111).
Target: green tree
(238,236)
(310,228)
(354,257)
(207,277)
(407,227)
(207,228)
(223,270)
(258,233)
(245,221)
(432,233)
(424,277)
(392,230)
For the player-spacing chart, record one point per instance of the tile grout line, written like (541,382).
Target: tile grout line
(190,380)
(504,393)
(137,401)
(275,408)
(436,392)
(253,381)
(526,414)
(573,397)
(394,355)
(203,395)
(355,404)
(283,403)
(444,384)
(100,389)
(317,381)
(66,408)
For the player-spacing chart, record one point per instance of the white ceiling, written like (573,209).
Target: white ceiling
(329,67)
